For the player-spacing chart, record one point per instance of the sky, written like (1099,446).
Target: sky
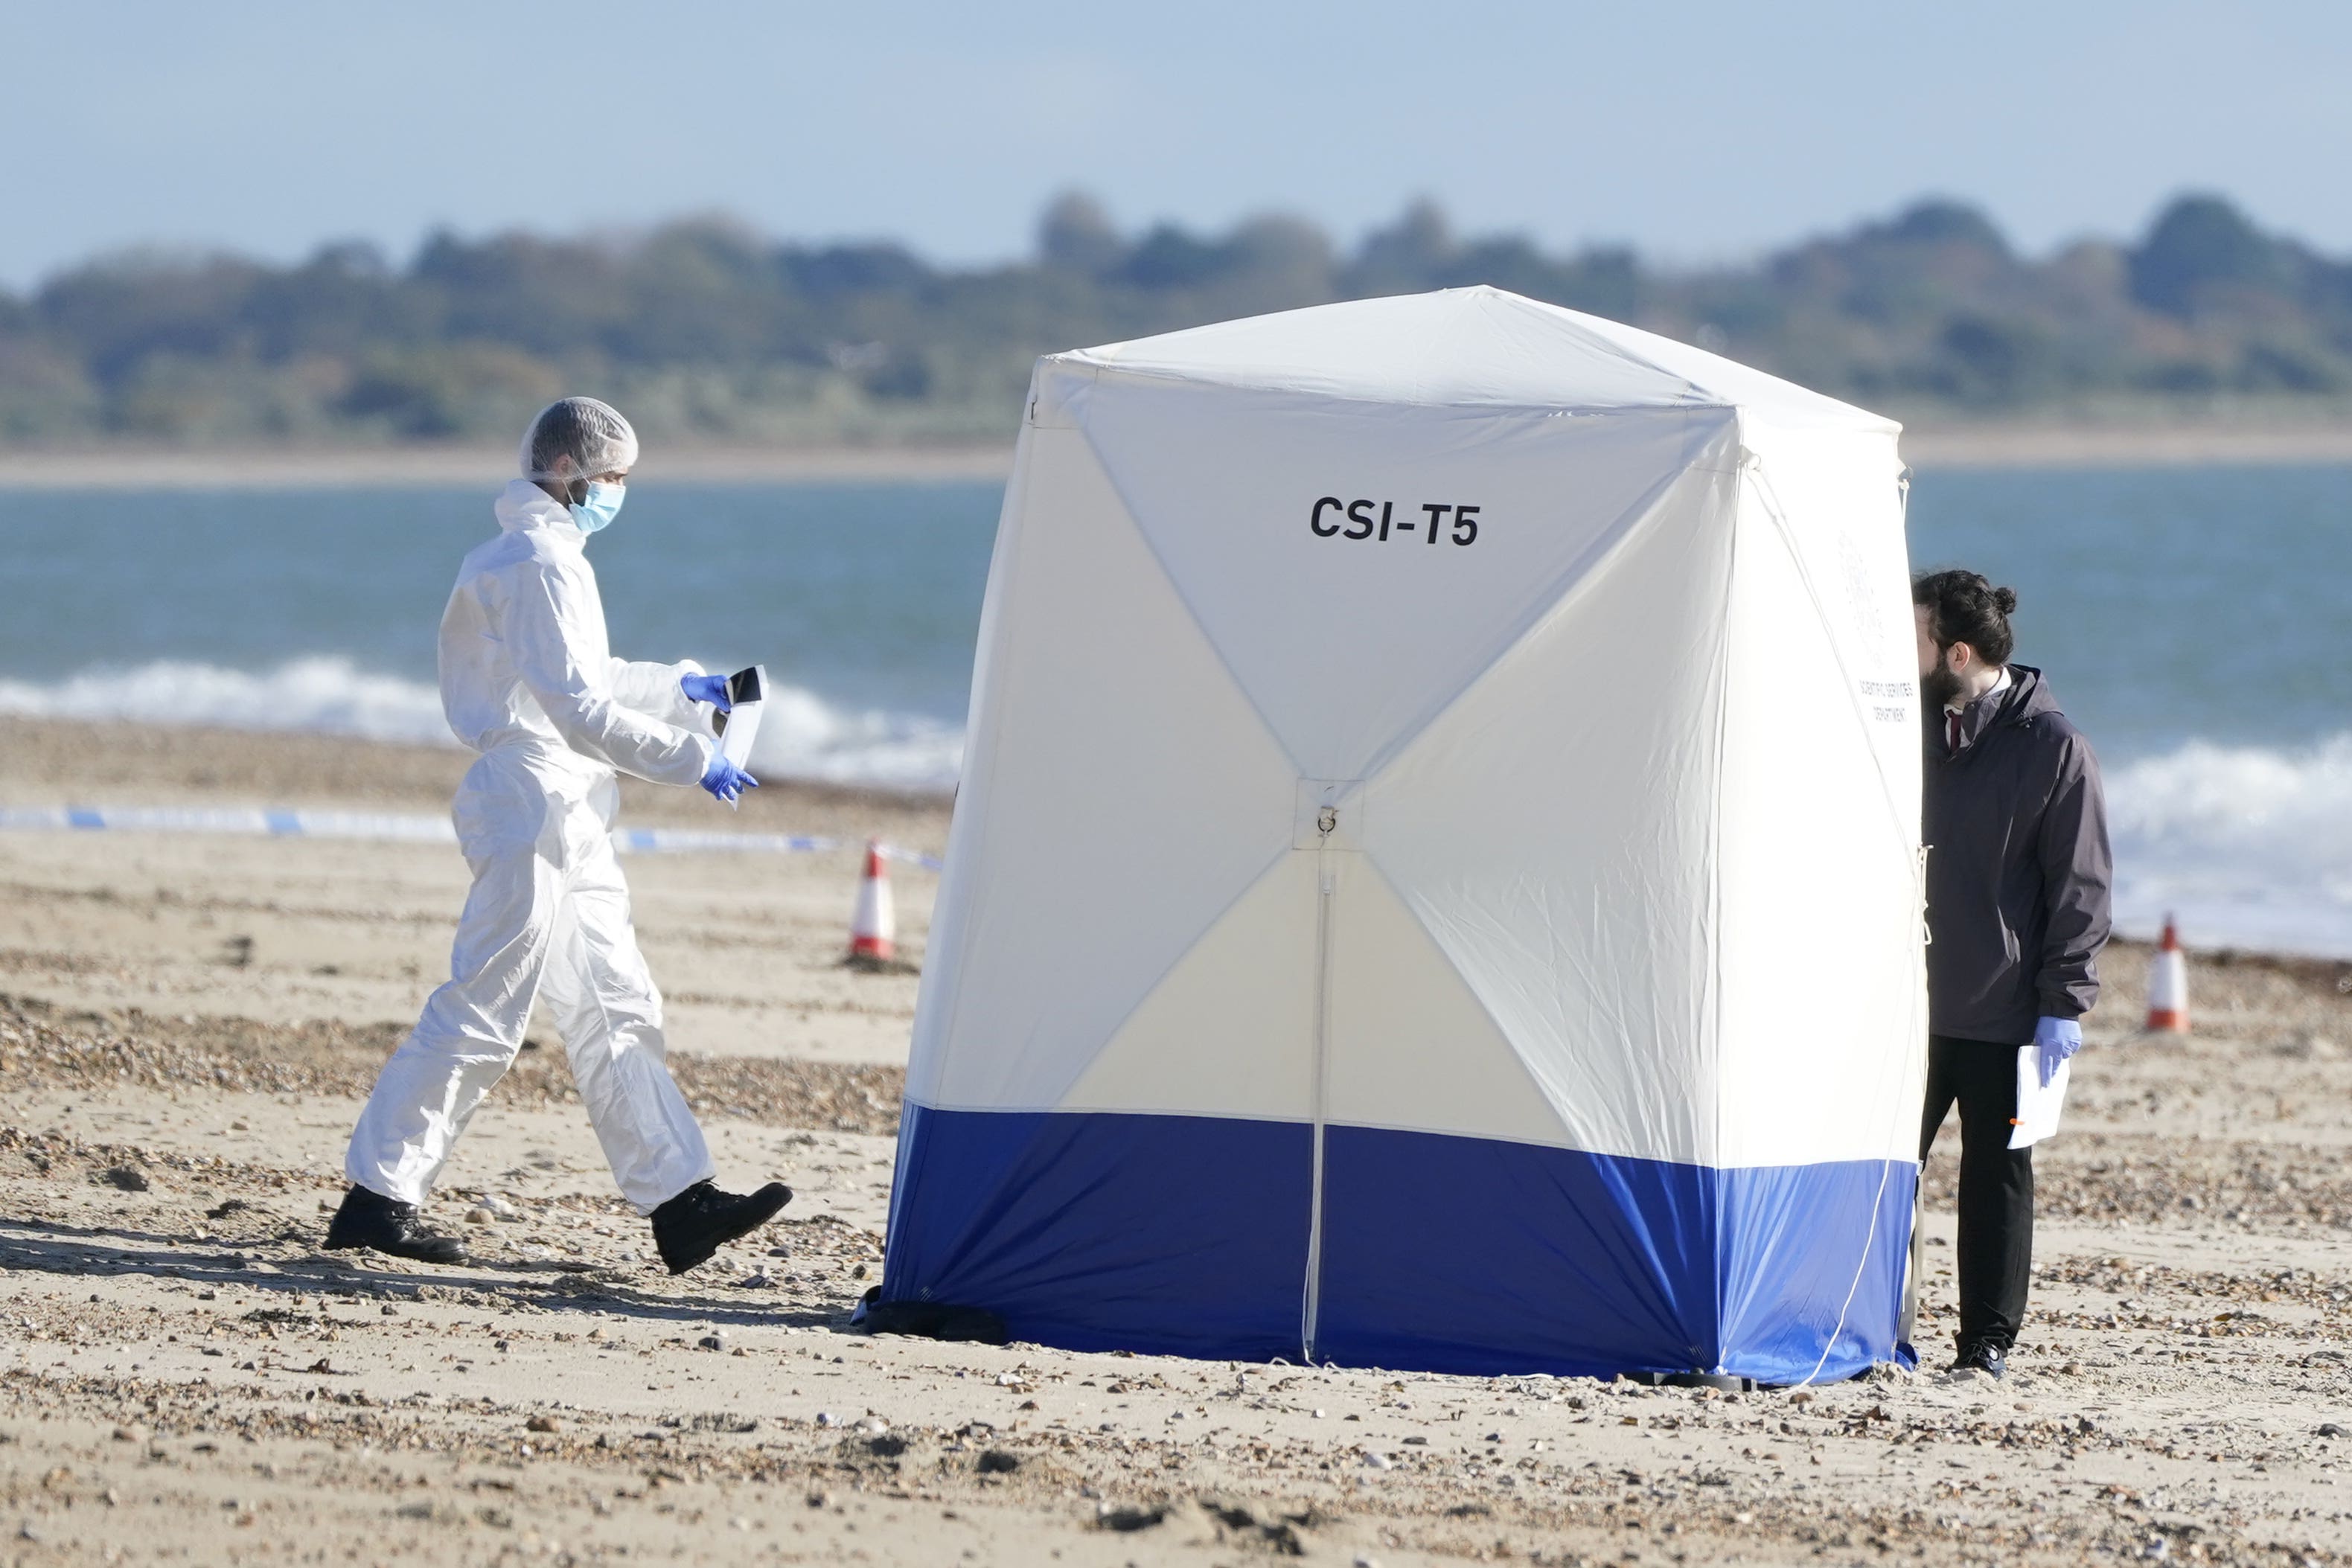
(1700,132)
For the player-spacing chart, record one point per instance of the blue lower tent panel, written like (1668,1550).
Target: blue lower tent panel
(1815,1257)
(1188,1235)
(1449,1254)
(1473,1255)
(1168,1234)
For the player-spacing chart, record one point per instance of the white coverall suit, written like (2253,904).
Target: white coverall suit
(528,681)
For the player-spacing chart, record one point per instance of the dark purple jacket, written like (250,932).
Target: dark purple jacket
(2018,867)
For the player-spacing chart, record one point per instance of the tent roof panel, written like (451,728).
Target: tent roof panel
(1464,347)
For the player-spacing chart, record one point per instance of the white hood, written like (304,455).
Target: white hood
(523,504)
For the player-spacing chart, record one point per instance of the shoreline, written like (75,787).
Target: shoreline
(2059,445)
(1931,446)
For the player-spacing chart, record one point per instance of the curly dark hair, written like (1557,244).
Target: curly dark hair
(1966,608)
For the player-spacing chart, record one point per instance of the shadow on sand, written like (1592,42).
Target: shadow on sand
(48,1246)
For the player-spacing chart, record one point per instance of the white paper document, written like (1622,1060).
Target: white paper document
(2038,1103)
(747,690)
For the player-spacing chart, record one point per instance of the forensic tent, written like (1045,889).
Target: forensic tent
(1435,883)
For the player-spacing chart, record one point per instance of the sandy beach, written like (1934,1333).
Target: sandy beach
(188,1024)
(1929,445)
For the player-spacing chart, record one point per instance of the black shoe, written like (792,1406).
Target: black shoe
(1982,1356)
(701,1220)
(371,1219)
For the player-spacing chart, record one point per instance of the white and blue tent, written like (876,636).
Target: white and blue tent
(1435,883)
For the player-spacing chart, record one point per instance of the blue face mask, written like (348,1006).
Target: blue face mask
(603,505)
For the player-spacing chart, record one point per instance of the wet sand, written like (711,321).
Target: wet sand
(190,1025)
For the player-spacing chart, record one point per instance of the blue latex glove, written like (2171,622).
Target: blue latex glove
(726,781)
(2057,1038)
(711,689)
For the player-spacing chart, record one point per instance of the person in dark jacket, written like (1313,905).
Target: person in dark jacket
(2018,878)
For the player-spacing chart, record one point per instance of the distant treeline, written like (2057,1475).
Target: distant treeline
(704,328)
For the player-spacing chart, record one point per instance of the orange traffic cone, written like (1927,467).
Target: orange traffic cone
(873,931)
(2168,985)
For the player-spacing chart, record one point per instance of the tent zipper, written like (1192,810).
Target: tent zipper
(1325,877)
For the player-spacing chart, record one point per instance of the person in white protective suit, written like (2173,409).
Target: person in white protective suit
(528,681)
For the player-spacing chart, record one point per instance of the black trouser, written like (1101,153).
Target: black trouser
(1996,1262)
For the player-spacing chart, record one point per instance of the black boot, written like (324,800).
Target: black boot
(371,1219)
(1984,1356)
(701,1220)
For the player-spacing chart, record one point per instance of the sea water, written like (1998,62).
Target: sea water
(2191,621)
(318,610)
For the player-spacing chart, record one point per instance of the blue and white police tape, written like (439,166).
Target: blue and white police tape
(272,821)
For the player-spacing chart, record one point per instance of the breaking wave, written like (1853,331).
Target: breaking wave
(2251,846)
(327,695)
(802,735)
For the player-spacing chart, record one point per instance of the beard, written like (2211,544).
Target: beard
(1940,684)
